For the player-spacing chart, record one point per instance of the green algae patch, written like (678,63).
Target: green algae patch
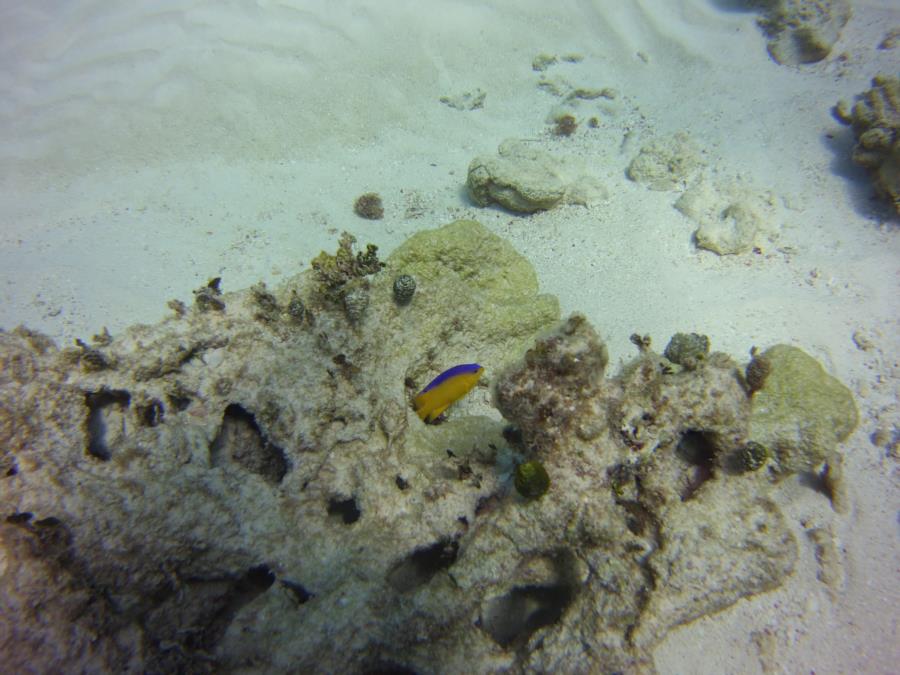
(800,412)
(473,287)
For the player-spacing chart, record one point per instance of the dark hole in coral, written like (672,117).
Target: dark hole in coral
(512,618)
(151,414)
(179,401)
(388,668)
(105,397)
(187,354)
(55,538)
(12,471)
(298,590)
(219,607)
(486,504)
(98,403)
(347,509)
(697,449)
(421,565)
(639,519)
(255,581)
(512,435)
(48,522)
(194,613)
(241,441)
(819,481)
(401,482)
(619,475)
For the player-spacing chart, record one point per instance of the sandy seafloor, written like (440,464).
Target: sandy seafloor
(148,146)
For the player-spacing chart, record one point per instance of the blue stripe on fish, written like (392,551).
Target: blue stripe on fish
(462,369)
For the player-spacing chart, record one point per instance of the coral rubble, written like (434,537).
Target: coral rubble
(249,489)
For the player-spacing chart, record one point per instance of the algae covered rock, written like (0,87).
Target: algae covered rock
(468,277)
(803,31)
(876,125)
(799,412)
(524,179)
(687,349)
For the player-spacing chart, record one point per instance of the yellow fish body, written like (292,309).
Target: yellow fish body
(445,389)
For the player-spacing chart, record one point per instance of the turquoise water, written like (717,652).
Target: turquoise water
(147,148)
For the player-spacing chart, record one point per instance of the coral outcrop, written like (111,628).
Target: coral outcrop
(524,179)
(246,488)
(666,163)
(800,414)
(876,125)
(731,217)
(803,31)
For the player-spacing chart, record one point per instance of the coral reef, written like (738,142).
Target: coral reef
(876,125)
(803,31)
(524,179)
(249,489)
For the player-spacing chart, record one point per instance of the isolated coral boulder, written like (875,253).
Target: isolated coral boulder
(876,125)
(800,412)
(803,31)
(666,163)
(523,178)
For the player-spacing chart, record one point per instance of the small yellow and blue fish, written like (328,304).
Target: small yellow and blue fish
(445,389)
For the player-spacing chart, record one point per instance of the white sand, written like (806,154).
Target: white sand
(147,148)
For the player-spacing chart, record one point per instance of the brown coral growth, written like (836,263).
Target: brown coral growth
(369,206)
